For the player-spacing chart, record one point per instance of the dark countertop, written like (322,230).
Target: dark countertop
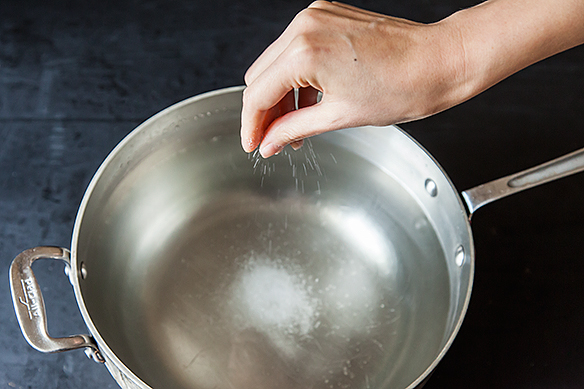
(76,77)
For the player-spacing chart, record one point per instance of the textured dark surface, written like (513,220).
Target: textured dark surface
(77,76)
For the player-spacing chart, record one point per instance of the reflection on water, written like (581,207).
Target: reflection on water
(233,283)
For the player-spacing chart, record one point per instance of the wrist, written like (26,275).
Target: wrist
(478,58)
(468,77)
(498,38)
(443,68)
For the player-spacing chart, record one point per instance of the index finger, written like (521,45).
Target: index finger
(269,96)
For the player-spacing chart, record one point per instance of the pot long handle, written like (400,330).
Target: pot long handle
(30,307)
(560,167)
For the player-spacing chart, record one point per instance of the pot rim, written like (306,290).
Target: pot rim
(104,348)
(466,215)
(75,263)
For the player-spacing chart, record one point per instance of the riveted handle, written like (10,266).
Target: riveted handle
(563,166)
(30,307)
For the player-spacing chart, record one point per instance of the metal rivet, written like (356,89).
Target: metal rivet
(431,187)
(94,355)
(459,255)
(82,271)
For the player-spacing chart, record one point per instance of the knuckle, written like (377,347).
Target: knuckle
(309,18)
(319,4)
(309,40)
(307,50)
(247,97)
(247,78)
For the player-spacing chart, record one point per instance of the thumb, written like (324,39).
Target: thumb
(302,123)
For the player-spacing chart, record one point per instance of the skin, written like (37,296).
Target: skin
(374,69)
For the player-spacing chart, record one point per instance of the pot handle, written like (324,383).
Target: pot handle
(30,307)
(557,168)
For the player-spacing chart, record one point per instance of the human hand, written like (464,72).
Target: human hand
(371,69)
(374,69)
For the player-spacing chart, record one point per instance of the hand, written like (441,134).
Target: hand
(374,69)
(370,68)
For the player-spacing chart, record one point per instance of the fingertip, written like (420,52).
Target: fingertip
(248,144)
(247,140)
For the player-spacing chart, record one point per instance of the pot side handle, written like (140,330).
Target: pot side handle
(557,168)
(30,307)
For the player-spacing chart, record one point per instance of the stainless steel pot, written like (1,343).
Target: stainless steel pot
(347,264)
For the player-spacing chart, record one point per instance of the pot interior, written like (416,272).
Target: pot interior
(320,268)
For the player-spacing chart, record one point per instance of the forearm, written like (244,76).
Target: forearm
(500,37)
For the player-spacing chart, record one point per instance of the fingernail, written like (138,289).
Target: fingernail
(270,149)
(297,145)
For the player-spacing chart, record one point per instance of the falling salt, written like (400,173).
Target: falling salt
(305,177)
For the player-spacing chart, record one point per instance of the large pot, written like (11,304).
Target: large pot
(347,264)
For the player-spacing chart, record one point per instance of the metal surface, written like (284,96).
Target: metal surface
(346,264)
(560,167)
(30,307)
(209,268)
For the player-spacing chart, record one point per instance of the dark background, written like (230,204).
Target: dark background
(77,76)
